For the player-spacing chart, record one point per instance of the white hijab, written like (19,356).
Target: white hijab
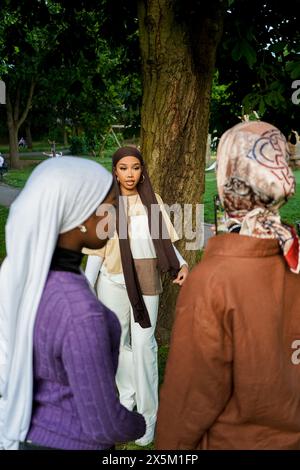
(60,194)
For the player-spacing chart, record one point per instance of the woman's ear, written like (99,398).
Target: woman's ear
(115,173)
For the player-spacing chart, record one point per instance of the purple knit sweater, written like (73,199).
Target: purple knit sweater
(76,347)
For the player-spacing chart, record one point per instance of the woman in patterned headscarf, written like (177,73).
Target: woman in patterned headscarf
(231,379)
(254,181)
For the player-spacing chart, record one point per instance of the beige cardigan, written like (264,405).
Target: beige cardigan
(111,251)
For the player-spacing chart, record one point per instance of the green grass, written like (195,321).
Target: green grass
(18,178)
(290,212)
(210,191)
(3,217)
(40,146)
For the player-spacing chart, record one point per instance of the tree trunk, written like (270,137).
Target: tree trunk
(178,59)
(12,133)
(28,134)
(13,144)
(14,121)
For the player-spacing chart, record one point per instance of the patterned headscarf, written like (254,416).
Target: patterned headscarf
(254,181)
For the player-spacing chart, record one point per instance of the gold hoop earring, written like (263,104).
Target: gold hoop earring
(82,228)
(142,181)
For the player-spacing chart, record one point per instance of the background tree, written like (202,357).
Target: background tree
(60,67)
(30,34)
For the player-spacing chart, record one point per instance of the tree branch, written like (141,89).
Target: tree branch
(28,104)
(9,107)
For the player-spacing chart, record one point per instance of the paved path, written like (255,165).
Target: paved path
(65,151)
(7,194)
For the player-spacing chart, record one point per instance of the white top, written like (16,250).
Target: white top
(141,244)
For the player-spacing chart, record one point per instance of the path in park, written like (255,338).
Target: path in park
(8,195)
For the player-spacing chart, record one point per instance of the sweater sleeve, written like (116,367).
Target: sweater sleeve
(93,267)
(88,360)
(198,377)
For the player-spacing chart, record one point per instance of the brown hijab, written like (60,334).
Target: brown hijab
(167,259)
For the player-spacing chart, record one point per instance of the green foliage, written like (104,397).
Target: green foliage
(95,145)
(244,49)
(86,76)
(258,60)
(223,108)
(78,145)
(293,68)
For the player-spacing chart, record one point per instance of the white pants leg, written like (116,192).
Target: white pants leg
(144,348)
(137,374)
(114,296)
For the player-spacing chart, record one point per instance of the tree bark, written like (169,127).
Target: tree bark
(28,134)
(14,121)
(12,133)
(178,60)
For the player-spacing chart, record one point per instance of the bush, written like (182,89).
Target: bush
(78,145)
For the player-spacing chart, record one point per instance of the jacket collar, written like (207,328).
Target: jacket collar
(66,260)
(241,246)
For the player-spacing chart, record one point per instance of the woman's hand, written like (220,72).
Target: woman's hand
(182,275)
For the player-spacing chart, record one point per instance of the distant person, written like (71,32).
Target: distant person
(22,143)
(59,345)
(3,166)
(233,376)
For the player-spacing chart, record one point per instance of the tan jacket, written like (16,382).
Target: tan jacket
(233,374)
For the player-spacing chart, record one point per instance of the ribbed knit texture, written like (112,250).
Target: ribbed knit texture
(76,347)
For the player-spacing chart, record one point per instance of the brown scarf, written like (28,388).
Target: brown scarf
(167,259)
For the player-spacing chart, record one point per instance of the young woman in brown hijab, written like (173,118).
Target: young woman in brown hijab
(233,376)
(129,281)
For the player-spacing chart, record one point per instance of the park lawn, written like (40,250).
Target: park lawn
(18,178)
(39,146)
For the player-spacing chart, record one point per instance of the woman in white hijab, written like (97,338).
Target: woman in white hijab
(58,343)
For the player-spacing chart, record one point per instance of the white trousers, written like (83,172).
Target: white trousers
(137,374)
